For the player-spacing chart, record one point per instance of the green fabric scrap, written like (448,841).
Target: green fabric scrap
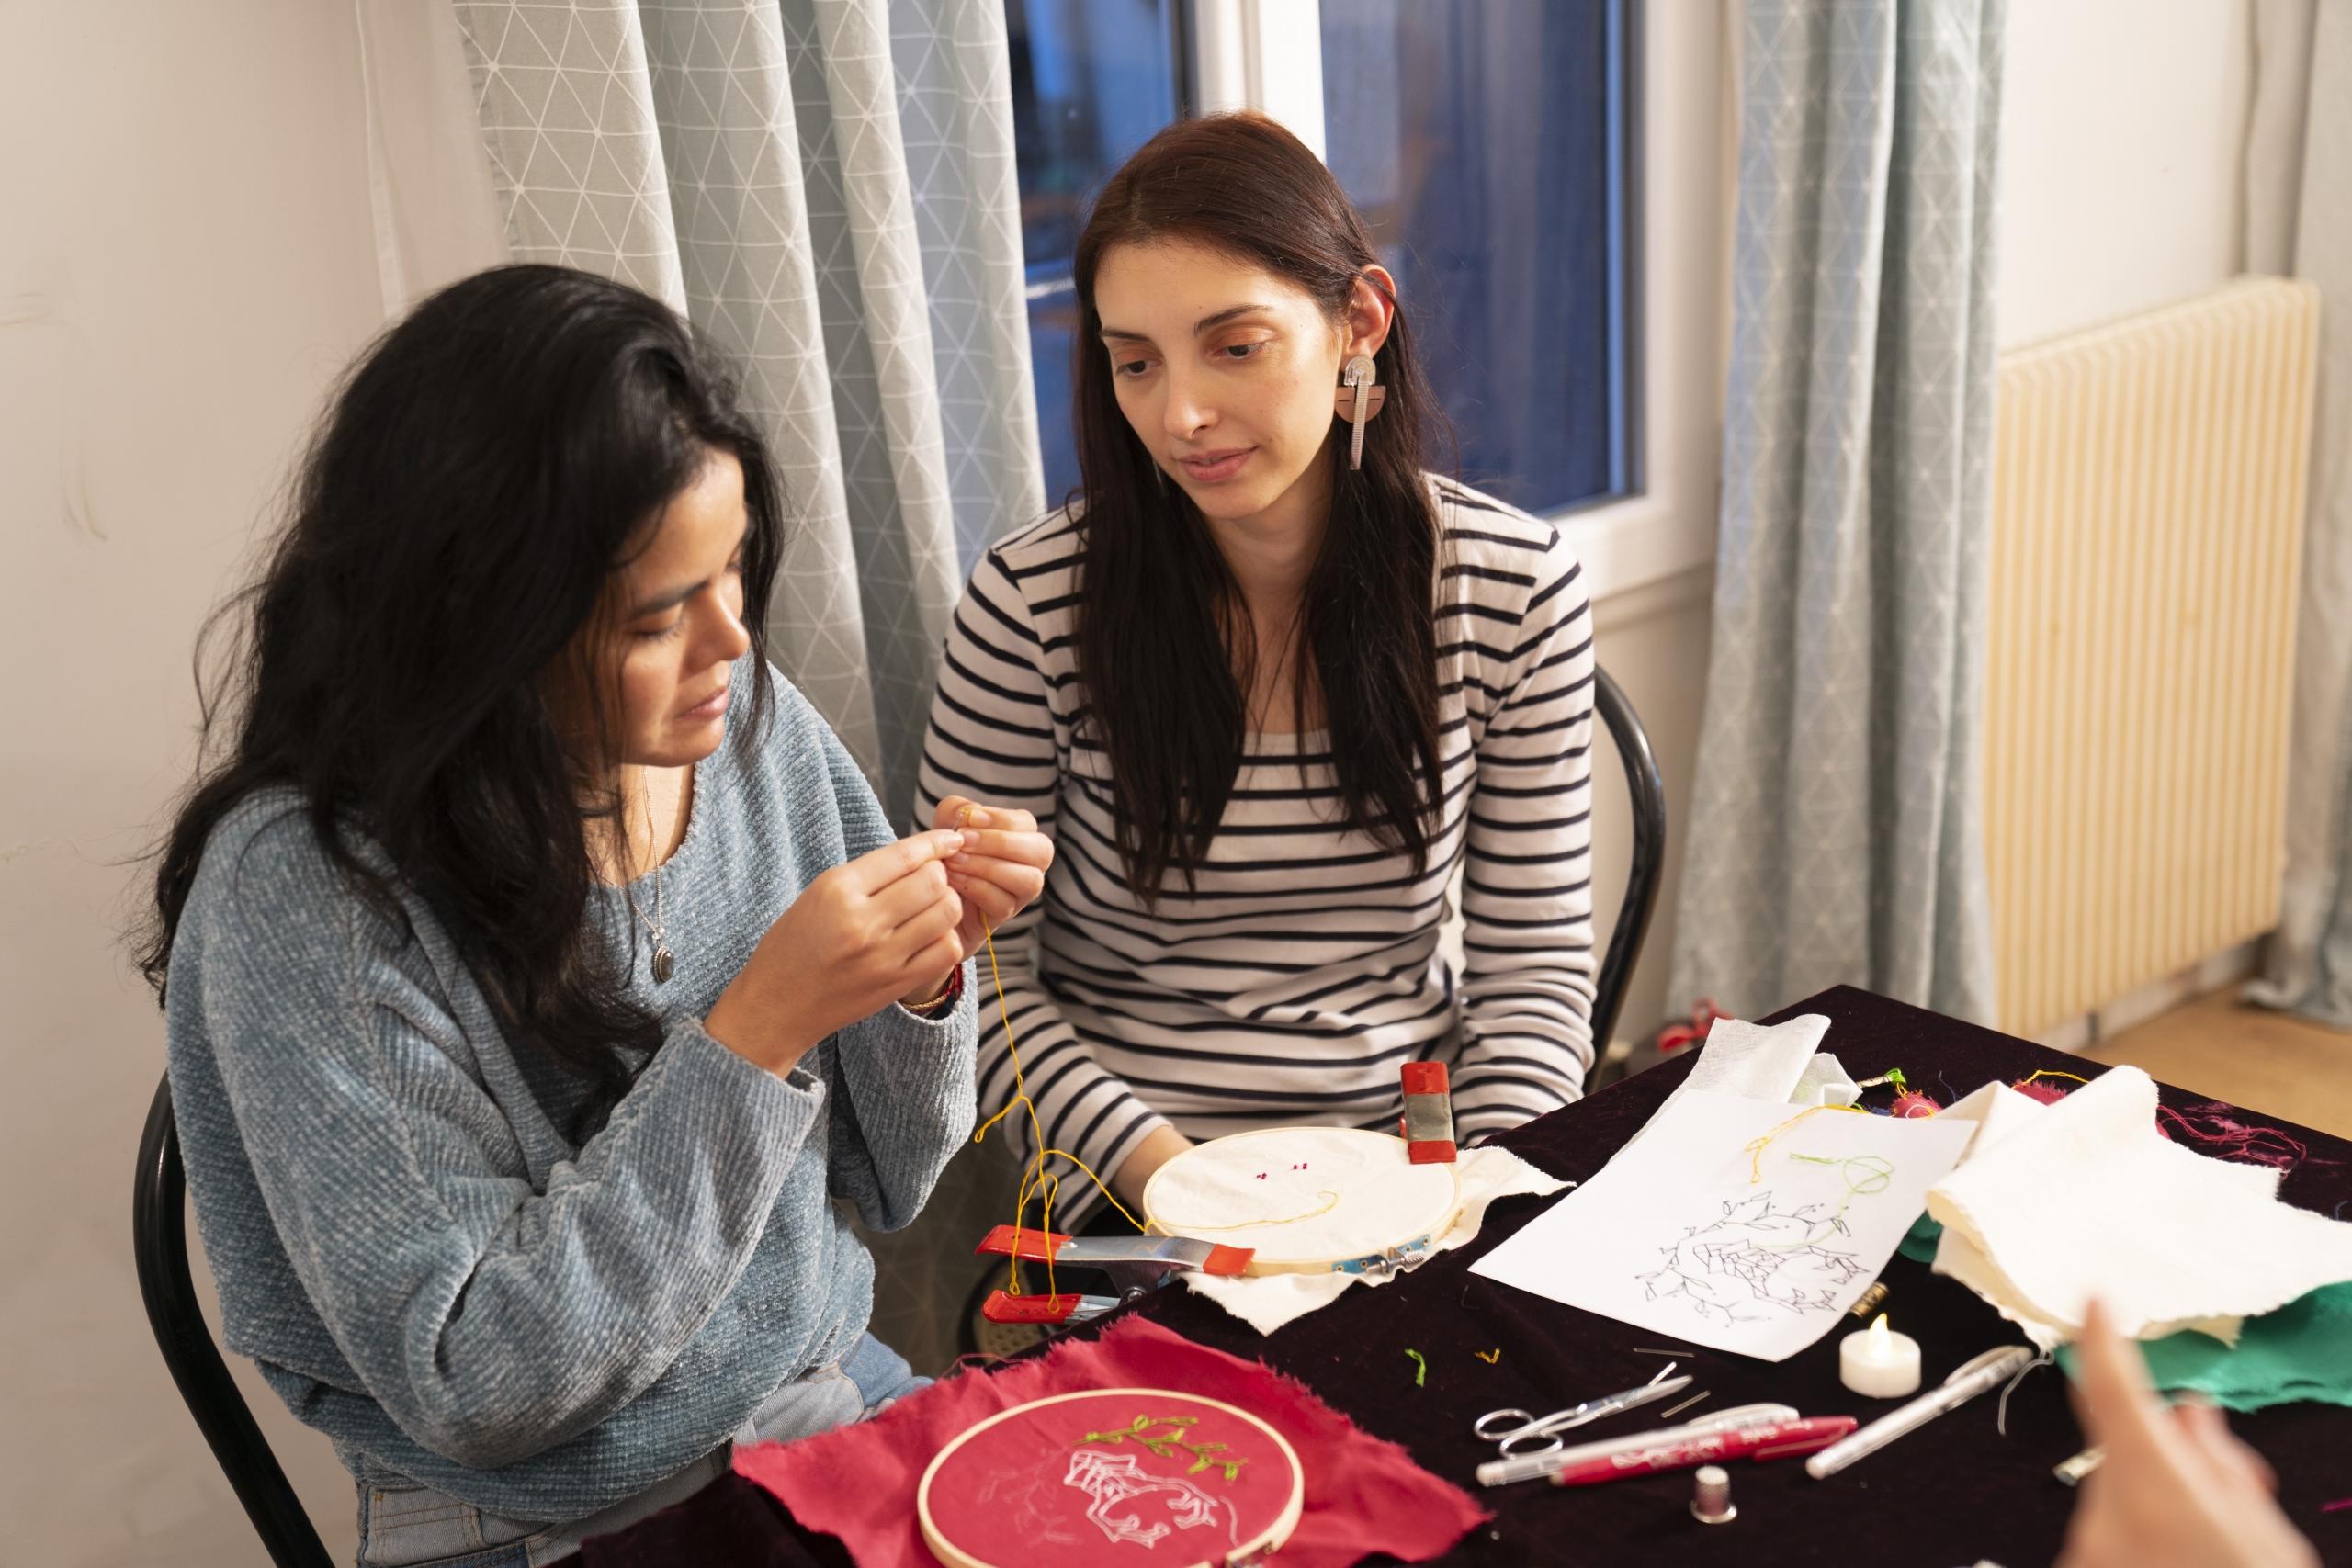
(2301,1352)
(1919,1246)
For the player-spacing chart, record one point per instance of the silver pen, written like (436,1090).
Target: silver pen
(1535,1467)
(1988,1371)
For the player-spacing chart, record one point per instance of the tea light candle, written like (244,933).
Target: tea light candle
(1879,1364)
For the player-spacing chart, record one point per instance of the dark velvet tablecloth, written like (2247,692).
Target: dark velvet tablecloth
(1949,1493)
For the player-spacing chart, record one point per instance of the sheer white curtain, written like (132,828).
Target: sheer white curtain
(2299,166)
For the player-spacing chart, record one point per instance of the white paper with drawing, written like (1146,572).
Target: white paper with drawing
(1698,1231)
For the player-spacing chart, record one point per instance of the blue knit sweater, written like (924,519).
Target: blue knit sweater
(424,1266)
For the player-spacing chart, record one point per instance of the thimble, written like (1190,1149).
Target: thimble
(1712,1504)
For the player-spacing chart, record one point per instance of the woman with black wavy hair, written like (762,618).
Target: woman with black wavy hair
(537,964)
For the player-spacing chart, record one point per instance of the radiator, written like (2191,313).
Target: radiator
(2148,483)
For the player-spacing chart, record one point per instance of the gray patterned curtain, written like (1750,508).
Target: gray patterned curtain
(1836,824)
(2304,51)
(827,187)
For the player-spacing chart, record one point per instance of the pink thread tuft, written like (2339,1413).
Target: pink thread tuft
(2216,1126)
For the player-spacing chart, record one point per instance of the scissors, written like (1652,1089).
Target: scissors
(1519,1432)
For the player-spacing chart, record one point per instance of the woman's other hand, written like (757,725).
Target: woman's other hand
(2176,1489)
(865,934)
(1001,868)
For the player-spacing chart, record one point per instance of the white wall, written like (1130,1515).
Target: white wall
(2122,137)
(186,258)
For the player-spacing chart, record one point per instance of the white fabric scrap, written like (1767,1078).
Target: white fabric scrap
(1269,1301)
(2054,1203)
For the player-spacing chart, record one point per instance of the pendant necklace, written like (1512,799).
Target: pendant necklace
(665,964)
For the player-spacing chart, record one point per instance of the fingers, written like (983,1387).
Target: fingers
(877,869)
(1024,881)
(2118,1406)
(900,901)
(1004,817)
(918,935)
(2208,1433)
(936,957)
(1023,846)
(949,813)
(996,904)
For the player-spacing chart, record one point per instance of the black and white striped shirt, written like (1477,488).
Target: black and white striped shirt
(1290,985)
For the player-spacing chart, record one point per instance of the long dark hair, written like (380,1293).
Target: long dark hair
(479,476)
(1158,609)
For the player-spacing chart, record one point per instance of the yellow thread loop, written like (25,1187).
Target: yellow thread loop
(1755,1148)
(1034,1180)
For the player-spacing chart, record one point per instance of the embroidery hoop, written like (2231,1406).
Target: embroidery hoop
(1419,1204)
(1254,1551)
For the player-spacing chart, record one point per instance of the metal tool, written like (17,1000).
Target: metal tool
(1519,1432)
(1710,1501)
(1137,1266)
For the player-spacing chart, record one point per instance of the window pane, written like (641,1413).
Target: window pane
(1485,143)
(1092,80)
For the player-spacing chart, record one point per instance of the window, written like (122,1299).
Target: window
(1092,80)
(1490,144)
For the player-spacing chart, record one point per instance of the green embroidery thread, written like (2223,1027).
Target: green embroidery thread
(1167,1444)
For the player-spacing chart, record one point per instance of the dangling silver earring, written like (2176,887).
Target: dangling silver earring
(1357,400)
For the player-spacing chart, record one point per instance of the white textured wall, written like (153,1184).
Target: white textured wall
(2122,135)
(186,258)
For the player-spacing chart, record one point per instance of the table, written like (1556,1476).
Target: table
(1949,1493)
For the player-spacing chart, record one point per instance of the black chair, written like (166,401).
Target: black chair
(159,1238)
(1648,792)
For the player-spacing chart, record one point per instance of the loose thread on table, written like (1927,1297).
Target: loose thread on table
(1878,1174)
(1034,1180)
(2211,1124)
(2340,1504)
(1489,1357)
(1420,1368)
(2001,1417)
(1754,1147)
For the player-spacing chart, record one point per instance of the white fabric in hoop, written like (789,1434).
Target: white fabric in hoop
(1303,1199)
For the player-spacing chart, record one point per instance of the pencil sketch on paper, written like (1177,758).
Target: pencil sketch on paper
(1755,1262)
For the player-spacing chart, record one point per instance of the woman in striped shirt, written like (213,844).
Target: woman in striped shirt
(1268,702)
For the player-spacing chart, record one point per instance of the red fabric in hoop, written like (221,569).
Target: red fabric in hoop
(1144,1476)
(1363,1495)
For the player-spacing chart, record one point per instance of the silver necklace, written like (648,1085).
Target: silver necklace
(665,964)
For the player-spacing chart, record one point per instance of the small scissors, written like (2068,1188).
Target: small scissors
(1517,1432)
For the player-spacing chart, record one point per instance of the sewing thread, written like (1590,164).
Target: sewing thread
(1034,1180)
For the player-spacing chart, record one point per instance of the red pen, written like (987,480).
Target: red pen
(1680,1451)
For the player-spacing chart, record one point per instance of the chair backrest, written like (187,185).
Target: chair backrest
(159,1240)
(1648,792)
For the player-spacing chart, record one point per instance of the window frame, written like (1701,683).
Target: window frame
(1268,55)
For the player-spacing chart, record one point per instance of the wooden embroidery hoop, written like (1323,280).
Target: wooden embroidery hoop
(1426,1201)
(1247,1555)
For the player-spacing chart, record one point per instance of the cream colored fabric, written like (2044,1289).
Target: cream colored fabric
(1303,1197)
(2053,1205)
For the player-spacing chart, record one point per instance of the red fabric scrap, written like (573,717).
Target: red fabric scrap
(1363,1494)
